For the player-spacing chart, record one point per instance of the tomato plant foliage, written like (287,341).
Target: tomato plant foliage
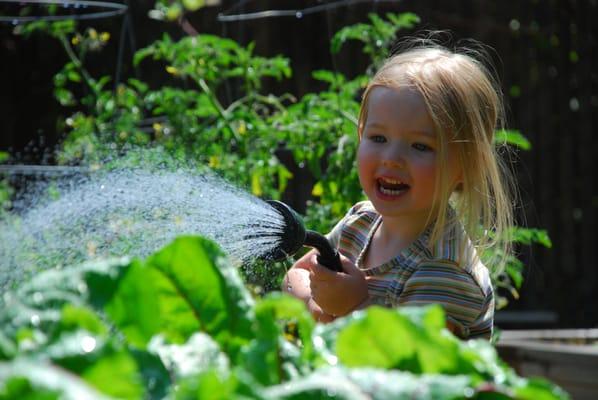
(181,324)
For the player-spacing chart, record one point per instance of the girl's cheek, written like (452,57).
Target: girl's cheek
(425,166)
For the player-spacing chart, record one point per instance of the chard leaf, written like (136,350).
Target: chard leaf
(117,375)
(55,302)
(184,288)
(539,389)
(102,364)
(199,354)
(22,379)
(413,339)
(370,383)
(271,357)
(213,385)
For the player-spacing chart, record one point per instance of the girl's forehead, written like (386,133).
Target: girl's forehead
(403,106)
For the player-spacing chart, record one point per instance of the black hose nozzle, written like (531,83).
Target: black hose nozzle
(295,236)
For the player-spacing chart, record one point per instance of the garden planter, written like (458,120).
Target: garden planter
(568,357)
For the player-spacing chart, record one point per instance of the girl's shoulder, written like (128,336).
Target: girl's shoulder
(456,249)
(363,208)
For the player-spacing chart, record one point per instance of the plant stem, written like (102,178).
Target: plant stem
(75,60)
(214,101)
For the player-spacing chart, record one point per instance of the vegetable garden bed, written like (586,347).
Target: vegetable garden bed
(568,357)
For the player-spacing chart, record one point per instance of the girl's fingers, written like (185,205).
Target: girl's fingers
(348,267)
(323,274)
(320,273)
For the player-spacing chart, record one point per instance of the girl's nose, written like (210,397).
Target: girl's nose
(394,157)
(396,163)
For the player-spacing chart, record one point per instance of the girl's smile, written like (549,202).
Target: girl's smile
(397,155)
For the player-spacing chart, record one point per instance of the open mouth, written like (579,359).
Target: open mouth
(391,187)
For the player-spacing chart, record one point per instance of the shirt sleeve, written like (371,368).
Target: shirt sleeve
(335,234)
(469,311)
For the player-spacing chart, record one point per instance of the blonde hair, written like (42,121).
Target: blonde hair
(465,104)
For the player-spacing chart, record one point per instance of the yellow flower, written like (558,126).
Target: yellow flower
(93,34)
(157,126)
(75,40)
(256,186)
(172,70)
(242,128)
(318,189)
(214,162)
(104,36)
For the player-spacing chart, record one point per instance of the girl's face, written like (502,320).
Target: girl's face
(398,154)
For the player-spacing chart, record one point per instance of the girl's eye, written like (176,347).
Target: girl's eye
(377,138)
(421,147)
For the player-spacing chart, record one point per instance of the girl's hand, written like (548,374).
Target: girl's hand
(316,311)
(296,283)
(337,293)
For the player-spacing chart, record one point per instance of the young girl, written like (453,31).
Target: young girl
(428,165)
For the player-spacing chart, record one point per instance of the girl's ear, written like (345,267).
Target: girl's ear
(459,182)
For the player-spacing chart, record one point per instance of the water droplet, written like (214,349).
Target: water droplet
(35,320)
(299,14)
(574,104)
(151,383)
(15,22)
(514,25)
(88,344)
(38,297)
(82,287)
(92,210)
(318,341)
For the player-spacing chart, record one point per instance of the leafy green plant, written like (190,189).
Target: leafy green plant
(181,325)
(5,189)
(238,137)
(378,36)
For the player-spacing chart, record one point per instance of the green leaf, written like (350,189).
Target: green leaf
(413,339)
(117,375)
(26,379)
(391,347)
(370,383)
(539,389)
(76,317)
(199,354)
(530,235)
(193,5)
(184,288)
(283,177)
(3,156)
(104,364)
(513,138)
(267,355)
(65,97)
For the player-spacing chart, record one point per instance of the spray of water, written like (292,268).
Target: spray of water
(133,212)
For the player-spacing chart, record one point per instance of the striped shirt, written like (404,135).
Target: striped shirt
(448,273)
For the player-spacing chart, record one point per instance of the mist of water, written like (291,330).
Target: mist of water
(132,212)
